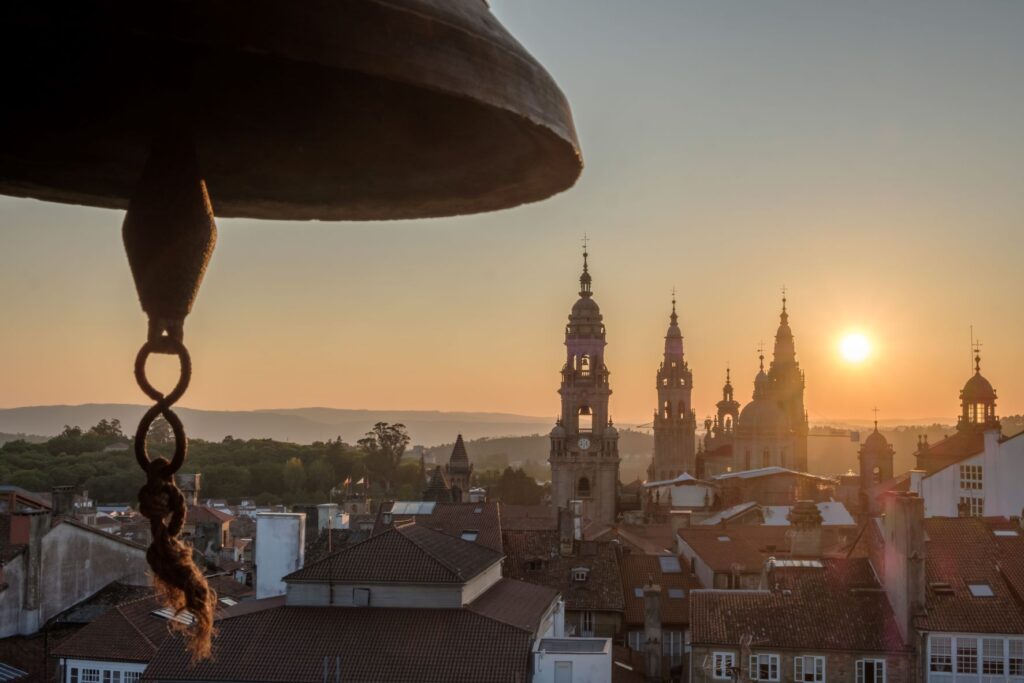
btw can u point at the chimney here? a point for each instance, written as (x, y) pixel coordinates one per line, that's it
(805, 534)
(566, 532)
(652, 632)
(62, 501)
(916, 479)
(280, 550)
(188, 483)
(904, 559)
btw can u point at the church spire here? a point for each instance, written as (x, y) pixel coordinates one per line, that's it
(585, 275)
(674, 336)
(785, 350)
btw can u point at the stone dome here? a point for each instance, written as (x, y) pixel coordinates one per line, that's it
(585, 309)
(762, 415)
(978, 390)
(559, 431)
(876, 442)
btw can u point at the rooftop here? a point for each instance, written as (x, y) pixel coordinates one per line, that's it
(676, 584)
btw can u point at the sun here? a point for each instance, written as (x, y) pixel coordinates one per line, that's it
(855, 347)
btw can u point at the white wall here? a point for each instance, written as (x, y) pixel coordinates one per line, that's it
(586, 668)
(1002, 471)
(280, 546)
(480, 583)
(100, 666)
(381, 595)
(691, 496)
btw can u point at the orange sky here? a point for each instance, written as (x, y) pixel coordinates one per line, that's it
(868, 161)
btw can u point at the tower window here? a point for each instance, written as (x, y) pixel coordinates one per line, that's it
(728, 423)
(583, 488)
(667, 410)
(586, 419)
(682, 410)
(876, 475)
(583, 365)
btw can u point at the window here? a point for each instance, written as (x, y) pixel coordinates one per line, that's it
(585, 365)
(676, 593)
(73, 674)
(586, 419)
(672, 645)
(635, 640)
(361, 597)
(992, 656)
(809, 669)
(111, 677)
(470, 536)
(638, 592)
(941, 659)
(669, 564)
(971, 477)
(534, 565)
(580, 573)
(132, 676)
(974, 506)
(1015, 661)
(981, 590)
(722, 665)
(870, 671)
(583, 488)
(90, 676)
(966, 655)
(764, 667)
(586, 624)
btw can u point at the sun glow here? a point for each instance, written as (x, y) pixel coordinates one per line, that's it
(855, 347)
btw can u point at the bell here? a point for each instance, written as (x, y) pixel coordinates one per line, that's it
(324, 109)
(329, 110)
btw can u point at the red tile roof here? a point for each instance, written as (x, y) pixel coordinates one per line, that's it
(128, 632)
(747, 547)
(961, 551)
(516, 603)
(408, 553)
(959, 446)
(202, 514)
(637, 571)
(292, 644)
(602, 591)
(454, 518)
(528, 518)
(835, 607)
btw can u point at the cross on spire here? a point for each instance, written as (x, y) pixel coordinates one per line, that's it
(977, 356)
(760, 353)
(783, 298)
(875, 411)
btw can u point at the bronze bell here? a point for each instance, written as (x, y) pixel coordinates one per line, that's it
(328, 109)
(324, 109)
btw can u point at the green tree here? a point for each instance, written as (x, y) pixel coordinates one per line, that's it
(384, 446)
(320, 475)
(108, 428)
(294, 475)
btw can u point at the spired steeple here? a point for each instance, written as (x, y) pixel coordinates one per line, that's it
(785, 349)
(675, 424)
(438, 490)
(786, 386)
(458, 472)
(584, 453)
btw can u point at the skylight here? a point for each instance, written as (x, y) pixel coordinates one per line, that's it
(470, 536)
(230, 602)
(981, 590)
(676, 593)
(1006, 532)
(724, 538)
(168, 614)
(669, 564)
(638, 592)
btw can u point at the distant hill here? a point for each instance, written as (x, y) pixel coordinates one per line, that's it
(299, 425)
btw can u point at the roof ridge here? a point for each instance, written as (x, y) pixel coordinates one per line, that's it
(444, 563)
(132, 623)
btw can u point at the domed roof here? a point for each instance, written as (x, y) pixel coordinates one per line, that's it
(559, 431)
(585, 308)
(876, 442)
(762, 415)
(978, 390)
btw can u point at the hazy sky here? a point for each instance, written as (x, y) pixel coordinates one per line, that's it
(868, 155)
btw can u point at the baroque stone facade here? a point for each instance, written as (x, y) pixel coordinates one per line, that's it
(584, 454)
(675, 424)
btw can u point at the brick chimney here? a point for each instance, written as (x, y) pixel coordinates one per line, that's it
(805, 532)
(904, 576)
(652, 632)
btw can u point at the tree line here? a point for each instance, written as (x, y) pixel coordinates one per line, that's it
(100, 460)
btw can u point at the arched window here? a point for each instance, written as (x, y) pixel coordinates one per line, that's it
(876, 474)
(666, 410)
(586, 419)
(682, 409)
(583, 488)
(584, 365)
(728, 423)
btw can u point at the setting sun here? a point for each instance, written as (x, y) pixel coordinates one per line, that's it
(855, 347)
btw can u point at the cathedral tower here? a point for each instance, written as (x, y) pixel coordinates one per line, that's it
(787, 387)
(584, 445)
(675, 424)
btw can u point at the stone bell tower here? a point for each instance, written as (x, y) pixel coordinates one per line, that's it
(584, 444)
(675, 424)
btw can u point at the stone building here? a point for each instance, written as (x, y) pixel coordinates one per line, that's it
(458, 472)
(674, 421)
(584, 444)
(876, 466)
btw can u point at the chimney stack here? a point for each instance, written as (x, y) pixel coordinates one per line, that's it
(280, 550)
(805, 519)
(62, 501)
(904, 559)
(566, 532)
(652, 632)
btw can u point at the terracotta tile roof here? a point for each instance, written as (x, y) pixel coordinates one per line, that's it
(963, 551)
(202, 514)
(409, 553)
(291, 644)
(125, 633)
(637, 571)
(533, 556)
(528, 518)
(650, 539)
(747, 546)
(320, 547)
(454, 518)
(227, 587)
(516, 603)
(957, 447)
(92, 608)
(839, 606)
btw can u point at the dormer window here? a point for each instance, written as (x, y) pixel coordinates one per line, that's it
(981, 589)
(579, 574)
(470, 535)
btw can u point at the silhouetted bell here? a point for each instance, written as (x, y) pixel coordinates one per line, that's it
(321, 109)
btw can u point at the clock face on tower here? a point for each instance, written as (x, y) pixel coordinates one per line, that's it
(584, 443)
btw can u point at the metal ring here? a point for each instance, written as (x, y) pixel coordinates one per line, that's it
(163, 404)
